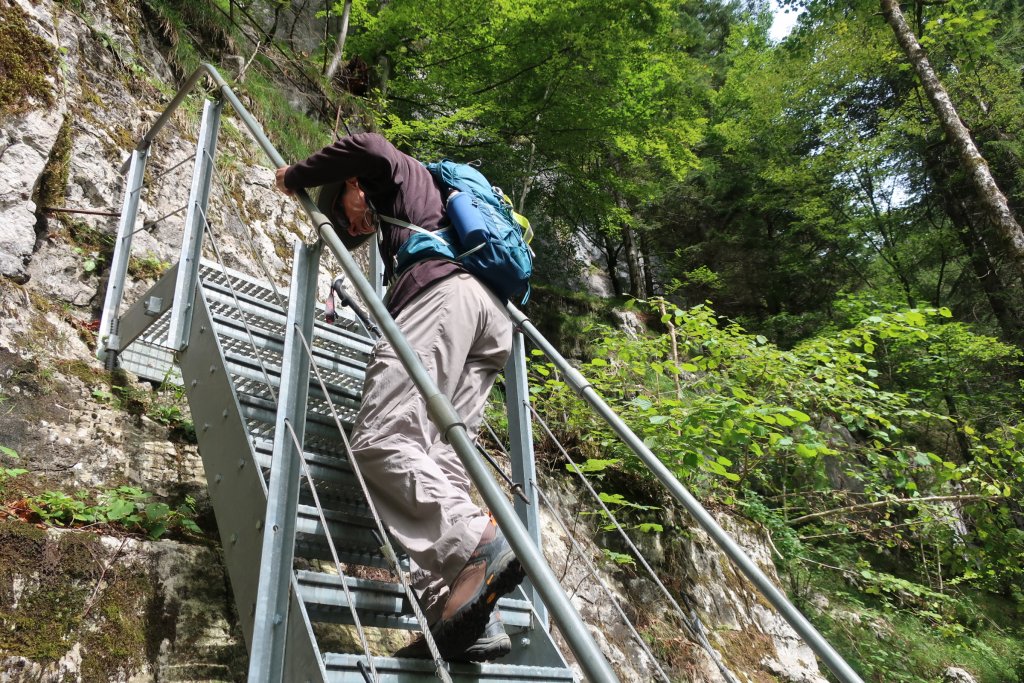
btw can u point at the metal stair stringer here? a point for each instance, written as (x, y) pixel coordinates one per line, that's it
(237, 487)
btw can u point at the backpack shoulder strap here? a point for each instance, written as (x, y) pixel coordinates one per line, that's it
(415, 228)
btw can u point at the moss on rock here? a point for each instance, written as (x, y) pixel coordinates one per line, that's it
(27, 62)
(54, 179)
(62, 589)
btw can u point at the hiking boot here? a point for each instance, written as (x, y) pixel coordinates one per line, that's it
(493, 644)
(491, 572)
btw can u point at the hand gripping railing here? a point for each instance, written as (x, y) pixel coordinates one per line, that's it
(595, 667)
(575, 379)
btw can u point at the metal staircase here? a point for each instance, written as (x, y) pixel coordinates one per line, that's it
(273, 388)
(234, 404)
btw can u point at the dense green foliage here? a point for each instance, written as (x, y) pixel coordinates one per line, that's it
(865, 452)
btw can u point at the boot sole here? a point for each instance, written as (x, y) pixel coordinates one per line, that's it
(459, 633)
(486, 650)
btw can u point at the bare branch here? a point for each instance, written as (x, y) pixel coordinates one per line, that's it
(882, 503)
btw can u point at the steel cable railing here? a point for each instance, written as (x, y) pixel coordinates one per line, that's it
(297, 442)
(609, 594)
(691, 622)
(579, 384)
(238, 304)
(695, 631)
(208, 229)
(389, 552)
(210, 232)
(330, 544)
(578, 549)
(247, 231)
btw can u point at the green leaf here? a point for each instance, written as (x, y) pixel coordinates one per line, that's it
(119, 508)
(594, 465)
(190, 525)
(613, 498)
(9, 452)
(156, 511)
(618, 558)
(806, 451)
(157, 530)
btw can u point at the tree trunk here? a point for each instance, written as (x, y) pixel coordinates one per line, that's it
(984, 269)
(342, 37)
(952, 194)
(611, 255)
(636, 279)
(648, 263)
(988, 193)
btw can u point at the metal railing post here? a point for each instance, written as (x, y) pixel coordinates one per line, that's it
(195, 222)
(575, 379)
(109, 343)
(266, 662)
(524, 471)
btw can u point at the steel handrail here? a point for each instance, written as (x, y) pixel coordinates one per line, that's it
(575, 379)
(441, 412)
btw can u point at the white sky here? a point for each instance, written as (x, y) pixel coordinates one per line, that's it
(783, 23)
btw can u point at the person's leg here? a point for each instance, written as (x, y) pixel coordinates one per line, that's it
(421, 492)
(484, 362)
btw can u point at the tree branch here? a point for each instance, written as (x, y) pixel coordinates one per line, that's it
(882, 503)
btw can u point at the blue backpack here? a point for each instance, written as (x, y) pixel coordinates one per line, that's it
(486, 236)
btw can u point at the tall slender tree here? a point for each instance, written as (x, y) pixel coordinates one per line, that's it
(988, 193)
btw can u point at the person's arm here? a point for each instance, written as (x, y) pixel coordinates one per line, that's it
(365, 155)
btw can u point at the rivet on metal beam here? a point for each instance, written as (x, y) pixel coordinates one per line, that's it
(217, 479)
(241, 463)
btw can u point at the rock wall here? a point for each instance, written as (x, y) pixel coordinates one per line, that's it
(82, 606)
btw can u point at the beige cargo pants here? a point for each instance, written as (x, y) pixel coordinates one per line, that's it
(460, 332)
